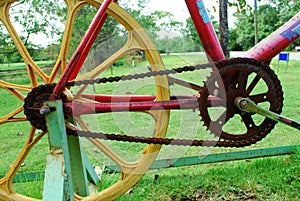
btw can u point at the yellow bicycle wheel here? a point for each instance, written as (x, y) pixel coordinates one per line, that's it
(34, 142)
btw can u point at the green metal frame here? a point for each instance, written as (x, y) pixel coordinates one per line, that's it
(187, 161)
(67, 166)
(218, 157)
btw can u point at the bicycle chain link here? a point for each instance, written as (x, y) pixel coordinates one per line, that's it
(143, 75)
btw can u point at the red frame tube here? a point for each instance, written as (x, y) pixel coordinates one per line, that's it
(277, 41)
(205, 30)
(77, 108)
(79, 56)
(126, 98)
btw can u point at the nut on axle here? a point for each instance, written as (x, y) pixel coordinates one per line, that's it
(241, 103)
(45, 110)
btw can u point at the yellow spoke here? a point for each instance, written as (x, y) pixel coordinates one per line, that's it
(17, 94)
(11, 116)
(7, 85)
(73, 6)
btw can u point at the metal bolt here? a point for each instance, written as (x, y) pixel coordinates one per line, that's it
(68, 109)
(45, 110)
(244, 104)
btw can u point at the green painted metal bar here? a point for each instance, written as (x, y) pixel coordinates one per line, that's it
(185, 161)
(92, 175)
(78, 169)
(40, 176)
(218, 157)
(58, 169)
(55, 179)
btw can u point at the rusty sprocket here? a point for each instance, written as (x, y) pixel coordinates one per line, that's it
(252, 79)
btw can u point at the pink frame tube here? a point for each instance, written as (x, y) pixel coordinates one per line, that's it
(82, 50)
(205, 30)
(127, 98)
(76, 108)
(277, 41)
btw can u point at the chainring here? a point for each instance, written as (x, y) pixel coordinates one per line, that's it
(252, 79)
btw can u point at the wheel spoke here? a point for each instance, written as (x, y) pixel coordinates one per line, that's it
(7, 86)
(242, 81)
(104, 148)
(259, 98)
(31, 141)
(30, 64)
(129, 46)
(11, 116)
(248, 121)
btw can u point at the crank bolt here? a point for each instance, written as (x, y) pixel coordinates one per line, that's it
(244, 104)
(45, 110)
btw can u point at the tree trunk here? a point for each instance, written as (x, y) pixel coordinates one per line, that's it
(224, 31)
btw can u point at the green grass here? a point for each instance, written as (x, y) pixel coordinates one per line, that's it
(276, 178)
(259, 179)
(20, 66)
(16, 73)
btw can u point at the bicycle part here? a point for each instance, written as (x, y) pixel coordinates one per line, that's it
(137, 40)
(246, 105)
(33, 105)
(255, 81)
(211, 101)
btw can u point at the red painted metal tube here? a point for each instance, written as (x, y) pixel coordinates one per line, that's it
(77, 108)
(124, 98)
(82, 50)
(118, 98)
(276, 42)
(205, 30)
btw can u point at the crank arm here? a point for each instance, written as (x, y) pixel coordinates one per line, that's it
(247, 105)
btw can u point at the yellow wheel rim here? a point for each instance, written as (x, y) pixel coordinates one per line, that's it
(137, 40)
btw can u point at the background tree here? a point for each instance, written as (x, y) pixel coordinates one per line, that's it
(190, 31)
(224, 30)
(271, 16)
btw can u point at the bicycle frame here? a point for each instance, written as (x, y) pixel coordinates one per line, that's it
(265, 50)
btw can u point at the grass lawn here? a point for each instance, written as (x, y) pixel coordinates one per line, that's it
(276, 178)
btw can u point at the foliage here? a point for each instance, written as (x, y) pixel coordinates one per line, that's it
(47, 17)
(158, 24)
(176, 44)
(191, 31)
(270, 17)
(30, 19)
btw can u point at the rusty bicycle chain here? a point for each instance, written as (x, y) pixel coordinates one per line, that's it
(143, 75)
(165, 141)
